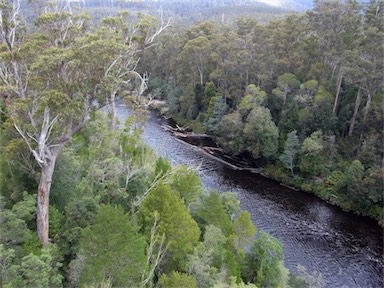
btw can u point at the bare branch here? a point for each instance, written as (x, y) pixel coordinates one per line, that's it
(154, 261)
(163, 26)
(51, 126)
(111, 66)
(10, 25)
(37, 157)
(140, 199)
(33, 138)
(143, 82)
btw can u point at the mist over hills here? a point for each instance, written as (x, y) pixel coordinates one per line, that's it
(192, 11)
(203, 4)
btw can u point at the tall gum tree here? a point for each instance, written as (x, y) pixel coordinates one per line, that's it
(336, 23)
(365, 69)
(59, 97)
(130, 42)
(57, 83)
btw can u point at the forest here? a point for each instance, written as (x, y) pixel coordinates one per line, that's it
(86, 203)
(301, 96)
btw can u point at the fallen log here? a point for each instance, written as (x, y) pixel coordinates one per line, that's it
(204, 151)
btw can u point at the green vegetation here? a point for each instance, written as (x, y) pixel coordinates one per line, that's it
(156, 226)
(112, 249)
(301, 96)
(84, 202)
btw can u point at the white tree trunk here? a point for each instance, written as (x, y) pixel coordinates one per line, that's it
(112, 107)
(43, 199)
(291, 168)
(357, 105)
(200, 68)
(285, 96)
(367, 105)
(45, 156)
(338, 84)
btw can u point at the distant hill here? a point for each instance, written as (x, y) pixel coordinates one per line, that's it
(192, 11)
(203, 4)
(299, 5)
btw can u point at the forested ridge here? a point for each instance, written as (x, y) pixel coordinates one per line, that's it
(302, 96)
(84, 202)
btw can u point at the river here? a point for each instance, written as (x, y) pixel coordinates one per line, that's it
(345, 248)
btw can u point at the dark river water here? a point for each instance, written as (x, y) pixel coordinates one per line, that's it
(346, 249)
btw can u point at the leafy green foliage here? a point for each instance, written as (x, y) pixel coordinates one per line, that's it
(231, 203)
(16, 168)
(216, 111)
(187, 183)
(210, 91)
(244, 230)
(8, 271)
(316, 71)
(66, 177)
(25, 209)
(285, 84)
(34, 270)
(81, 213)
(260, 133)
(113, 249)
(231, 136)
(56, 222)
(213, 212)
(311, 154)
(163, 166)
(188, 104)
(181, 231)
(291, 149)
(311, 279)
(263, 264)
(208, 258)
(12, 229)
(176, 279)
(254, 97)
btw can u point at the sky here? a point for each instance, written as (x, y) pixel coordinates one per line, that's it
(275, 3)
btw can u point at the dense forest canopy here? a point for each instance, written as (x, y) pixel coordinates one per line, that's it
(84, 202)
(301, 96)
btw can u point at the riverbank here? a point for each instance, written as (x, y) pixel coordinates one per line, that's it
(314, 234)
(320, 187)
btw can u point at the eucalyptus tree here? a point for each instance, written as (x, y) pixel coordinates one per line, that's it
(12, 28)
(336, 24)
(365, 68)
(47, 98)
(195, 55)
(133, 36)
(224, 59)
(286, 83)
(289, 48)
(196, 52)
(51, 82)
